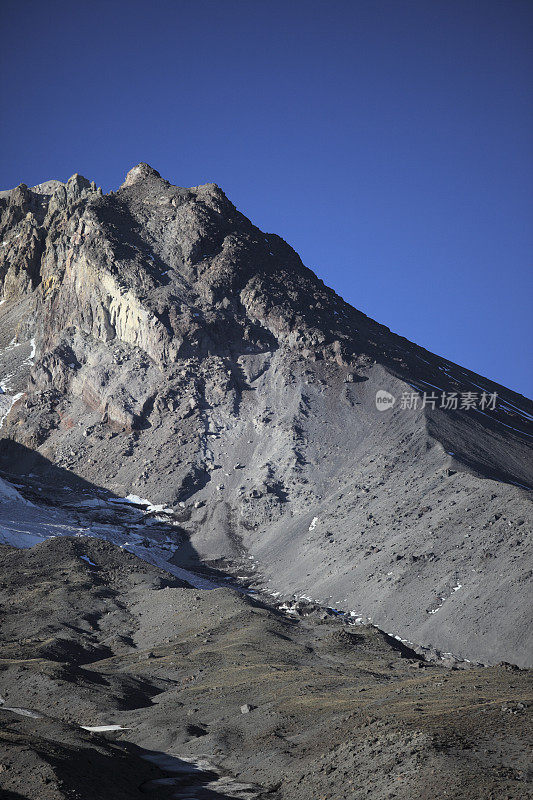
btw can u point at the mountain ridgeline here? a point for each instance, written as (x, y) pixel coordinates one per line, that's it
(157, 343)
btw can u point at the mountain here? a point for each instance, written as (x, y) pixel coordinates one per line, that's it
(159, 344)
(252, 543)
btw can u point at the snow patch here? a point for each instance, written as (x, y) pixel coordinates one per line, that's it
(6, 407)
(22, 712)
(102, 728)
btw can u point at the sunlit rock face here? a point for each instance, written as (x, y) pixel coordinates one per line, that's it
(184, 355)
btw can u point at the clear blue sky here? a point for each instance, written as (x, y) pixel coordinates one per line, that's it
(389, 141)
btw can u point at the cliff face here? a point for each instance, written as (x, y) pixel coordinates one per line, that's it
(185, 356)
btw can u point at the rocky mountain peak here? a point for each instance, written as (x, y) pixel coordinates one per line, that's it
(139, 173)
(183, 355)
(185, 405)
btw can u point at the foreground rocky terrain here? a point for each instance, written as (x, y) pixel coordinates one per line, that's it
(155, 344)
(217, 694)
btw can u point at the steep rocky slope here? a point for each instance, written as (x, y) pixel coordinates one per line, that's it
(159, 343)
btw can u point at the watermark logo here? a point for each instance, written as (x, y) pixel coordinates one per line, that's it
(384, 400)
(451, 401)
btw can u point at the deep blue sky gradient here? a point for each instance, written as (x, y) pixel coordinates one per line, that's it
(388, 141)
